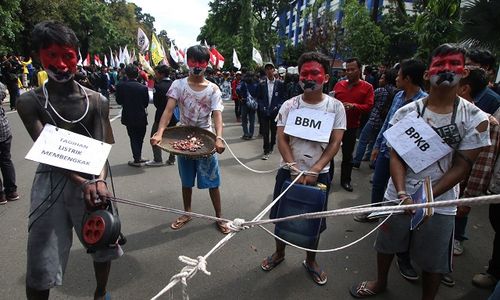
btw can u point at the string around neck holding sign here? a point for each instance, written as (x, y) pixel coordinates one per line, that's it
(47, 103)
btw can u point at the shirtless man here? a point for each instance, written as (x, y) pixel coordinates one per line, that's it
(59, 197)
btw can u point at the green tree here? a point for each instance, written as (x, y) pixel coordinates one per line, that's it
(398, 28)
(363, 37)
(322, 35)
(265, 13)
(10, 24)
(439, 23)
(292, 53)
(480, 21)
(222, 26)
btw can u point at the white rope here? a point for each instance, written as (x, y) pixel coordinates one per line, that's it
(245, 166)
(354, 211)
(237, 223)
(188, 272)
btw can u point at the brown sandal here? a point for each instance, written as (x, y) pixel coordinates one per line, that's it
(222, 227)
(180, 222)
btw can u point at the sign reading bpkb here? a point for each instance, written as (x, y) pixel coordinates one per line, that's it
(416, 142)
(68, 150)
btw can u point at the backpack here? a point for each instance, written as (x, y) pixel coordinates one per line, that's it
(250, 102)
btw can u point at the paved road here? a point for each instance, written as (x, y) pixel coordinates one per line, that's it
(153, 248)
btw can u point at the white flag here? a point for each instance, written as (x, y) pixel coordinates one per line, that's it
(80, 61)
(236, 61)
(111, 59)
(256, 56)
(105, 60)
(117, 62)
(126, 56)
(120, 56)
(142, 40)
(173, 53)
(132, 57)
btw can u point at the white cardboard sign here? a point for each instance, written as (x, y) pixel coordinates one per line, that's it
(416, 142)
(68, 150)
(310, 124)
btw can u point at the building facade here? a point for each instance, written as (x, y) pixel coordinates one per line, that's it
(292, 25)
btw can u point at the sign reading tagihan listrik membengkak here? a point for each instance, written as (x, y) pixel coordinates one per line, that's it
(68, 150)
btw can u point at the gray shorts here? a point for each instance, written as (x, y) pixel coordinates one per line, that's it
(52, 219)
(430, 245)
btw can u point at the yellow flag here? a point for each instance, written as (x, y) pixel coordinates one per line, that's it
(156, 52)
(145, 65)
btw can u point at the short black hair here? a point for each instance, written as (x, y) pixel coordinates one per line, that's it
(390, 76)
(317, 57)
(354, 59)
(477, 80)
(131, 71)
(47, 33)
(163, 69)
(414, 69)
(446, 49)
(198, 53)
(483, 57)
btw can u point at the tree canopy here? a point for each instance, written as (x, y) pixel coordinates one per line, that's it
(98, 24)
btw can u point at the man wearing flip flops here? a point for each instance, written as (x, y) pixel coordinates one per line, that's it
(307, 152)
(199, 100)
(462, 126)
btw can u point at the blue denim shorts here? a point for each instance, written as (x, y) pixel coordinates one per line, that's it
(206, 171)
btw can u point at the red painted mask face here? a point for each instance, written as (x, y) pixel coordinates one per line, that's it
(197, 67)
(312, 76)
(446, 70)
(59, 62)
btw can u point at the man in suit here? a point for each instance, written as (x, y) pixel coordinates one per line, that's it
(134, 98)
(271, 93)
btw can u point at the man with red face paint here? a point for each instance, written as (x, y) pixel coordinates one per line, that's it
(307, 150)
(357, 96)
(464, 127)
(199, 100)
(59, 197)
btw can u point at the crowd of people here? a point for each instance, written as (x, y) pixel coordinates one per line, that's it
(454, 93)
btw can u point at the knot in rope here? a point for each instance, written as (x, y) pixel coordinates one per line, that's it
(235, 225)
(188, 272)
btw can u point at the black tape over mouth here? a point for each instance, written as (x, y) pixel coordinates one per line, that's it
(309, 84)
(445, 76)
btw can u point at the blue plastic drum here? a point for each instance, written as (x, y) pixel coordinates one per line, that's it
(300, 199)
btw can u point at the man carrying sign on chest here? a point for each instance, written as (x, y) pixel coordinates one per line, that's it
(59, 197)
(310, 129)
(464, 128)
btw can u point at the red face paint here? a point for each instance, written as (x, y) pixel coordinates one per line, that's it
(59, 62)
(446, 70)
(312, 71)
(312, 76)
(200, 64)
(449, 62)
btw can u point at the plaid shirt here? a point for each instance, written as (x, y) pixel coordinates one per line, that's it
(4, 126)
(482, 170)
(381, 96)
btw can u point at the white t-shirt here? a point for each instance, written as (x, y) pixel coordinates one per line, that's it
(225, 88)
(468, 117)
(196, 107)
(305, 152)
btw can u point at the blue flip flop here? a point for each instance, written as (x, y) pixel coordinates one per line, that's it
(271, 264)
(316, 276)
